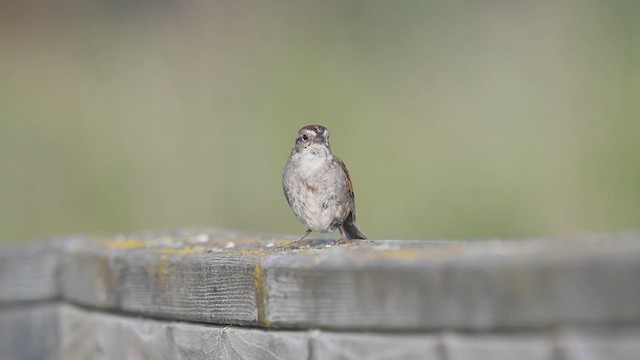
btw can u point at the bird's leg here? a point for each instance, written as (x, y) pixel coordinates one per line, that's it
(344, 238)
(296, 243)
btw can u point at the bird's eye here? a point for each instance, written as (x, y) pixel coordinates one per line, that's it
(305, 137)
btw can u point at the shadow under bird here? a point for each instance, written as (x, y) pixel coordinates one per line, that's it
(317, 186)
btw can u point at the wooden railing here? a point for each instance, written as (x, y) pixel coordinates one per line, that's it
(203, 293)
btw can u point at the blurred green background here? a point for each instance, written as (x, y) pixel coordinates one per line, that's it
(456, 119)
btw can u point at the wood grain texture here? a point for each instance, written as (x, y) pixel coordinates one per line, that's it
(190, 274)
(29, 332)
(267, 345)
(574, 298)
(90, 335)
(30, 272)
(599, 343)
(197, 341)
(525, 346)
(479, 285)
(87, 335)
(369, 346)
(55, 331)
(239, 278)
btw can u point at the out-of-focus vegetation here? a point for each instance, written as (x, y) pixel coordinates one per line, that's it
(456, 119)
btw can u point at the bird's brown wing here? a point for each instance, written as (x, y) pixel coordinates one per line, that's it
(349, 186)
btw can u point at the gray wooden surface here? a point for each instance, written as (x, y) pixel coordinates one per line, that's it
(207, 293)
(29, 273)
(91, 335)
(597, 342)
(88, 334)
(236, 278)
(504, 346)
(350, 346)
(478, 285)
(186, 274)
(29, 332)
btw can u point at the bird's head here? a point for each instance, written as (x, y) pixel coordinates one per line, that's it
(312, 135)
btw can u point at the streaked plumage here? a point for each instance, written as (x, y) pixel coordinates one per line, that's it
(317, 186)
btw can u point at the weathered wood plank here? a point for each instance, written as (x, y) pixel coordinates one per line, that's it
(600, 343)
(29, 332)
(369, 346)
(268, 345)
(68, 332)
(94, 335)
(417, 295)
(524, 346)
(29, 272)
(224, 277)
(90, 335)
(197, 341)
(399, 285)
(191, 274)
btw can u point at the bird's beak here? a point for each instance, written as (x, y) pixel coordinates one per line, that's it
(320, 139)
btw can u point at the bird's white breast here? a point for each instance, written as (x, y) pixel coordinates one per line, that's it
(311, 161)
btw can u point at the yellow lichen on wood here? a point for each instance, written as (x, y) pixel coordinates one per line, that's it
(124, 244)
(161, 270)
(261, 295)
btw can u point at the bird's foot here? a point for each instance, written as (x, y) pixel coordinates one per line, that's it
(294, 245)
(297, 243)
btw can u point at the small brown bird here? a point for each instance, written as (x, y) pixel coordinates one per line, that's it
(317, 186)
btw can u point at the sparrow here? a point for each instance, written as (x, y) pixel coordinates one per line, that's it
(318, 188)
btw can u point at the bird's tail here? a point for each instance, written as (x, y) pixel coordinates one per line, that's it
(351, 229)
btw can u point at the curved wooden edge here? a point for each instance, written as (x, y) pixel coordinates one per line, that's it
(228, 277)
